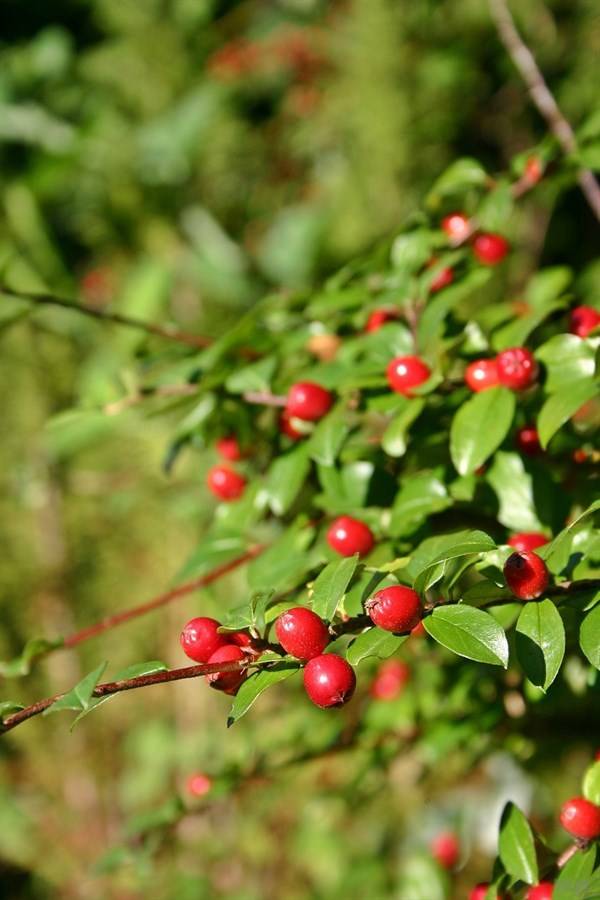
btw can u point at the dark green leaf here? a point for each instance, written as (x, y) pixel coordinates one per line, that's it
(473, 542)
(81, 696)
(579, 879)
(133, 671)
(516, 846)
(469, 632)
(331, 585)
(513, 486)
(462, 174)
(567, 358)
(329, 435)
(283, 565)
(589, 636)
(540, 642)
(253, 687)
(559, 407)
(286, 478)
(374, 642)
(393, 440)
(419, 497)
(556, 553)
(255, 377)
(479, 427)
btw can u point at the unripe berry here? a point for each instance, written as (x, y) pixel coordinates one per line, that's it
(324, 346)
(527, 440)
(542, 891)
(225, 483)
(444, 277)
(379, 317)
(390, 679)
(527, 540)
(456, 226)
(583, 320)
(517, 368)
(228, 682)
(482, 374)
(229, 448)
(407, 372)
(198, 785)
(348, 536)
(581, 818)
(286, 427)
(329, 680)
(309, 401)
(301, 633)
(526, 574)
(395, 608)
(200, 638)
(445, 848)
(490, 249)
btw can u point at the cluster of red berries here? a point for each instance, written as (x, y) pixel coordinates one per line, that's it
(203, 642)
(489, 249)
(514, 368)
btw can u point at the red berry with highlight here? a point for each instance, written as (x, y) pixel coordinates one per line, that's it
(395, 608)
(200, 638)
(583, 320)
(379, 317)
(407, 372)
(527, 540)
(390, 680)
(329, 680)
(517, 368)
(527, 440)
(225, 483)
(229, 448)
(228, 682)
(444, 277)
(542, 891)
(482, 374)
(309, 401)
(198, 785)
(445, 848)
(526, 574)
(456, 226)
(301, 633)
(286, 427)
(348, 536)
(581, 818)
(490, 249)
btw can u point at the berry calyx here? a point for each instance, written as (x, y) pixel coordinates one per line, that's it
(526, 574)
(302, 633)
(517, 368)
(527, 440)
(225, 483)
(581, 818)
(482, 374)
(444, 277)
(309, 401)
(198, 785)
(407, 372)
(542, 891)
(583, 320)
(527, 540)
(379, 317)
(200, 638)
(329, 680)
(228, 682)
(390, 680)
(457, 227)
(348, 536)
(286, 426)
(445, 848)
(229, 448)
(395, 608)
(490, 249)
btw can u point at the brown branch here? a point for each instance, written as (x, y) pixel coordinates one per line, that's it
(542, 97)
(169, 332)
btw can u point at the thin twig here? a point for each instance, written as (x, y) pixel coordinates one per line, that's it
(542, 97)
(264, 398)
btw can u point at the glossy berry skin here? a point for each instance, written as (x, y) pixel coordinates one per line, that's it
(200, 638)
(329, 680)
(380, 317)
(445, 848)
(542, 891)
(407, 372)
(395, 608)
(309, 401)
(456, 226)
(444, 277)
(480, 890)
(517, 368)
(490, 249)
(583, 320)
(390, 680)
(526, 574)
(225, 483)
(228, 682)
(348, 536)
(198, 785)
(528, 441)
(240, 639)
(527, 540)
(229, 448)
(302, 633)
(482, 374)
(286, 427)
(581, 818)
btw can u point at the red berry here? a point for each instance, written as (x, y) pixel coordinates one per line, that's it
(309, 401)
(225, 483)
(583, 320)
(446, 849)
(517, 368)
(444, 277)
(348, 536)
(390, 679)
(419, 630)
(581, 818)
(528, 440)
(580, 455)
(200, 638)
(542, 891)
(526, 574)
(228, 448)
(198, 785)
(379, 317)
(395, 608)
(534, 169)
(286, 427)
(597, 755)
(228, 682)
(240, 638)
(527, 540)
(482, 374)
(407, 372)
(302, 633)
(480, 890)
(457, 227)
(329, 680)
(490, 249)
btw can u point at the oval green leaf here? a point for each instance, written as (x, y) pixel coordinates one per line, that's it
(479, 427)
(516, 845)
(469, 632)
(540, 642)
(589, 636)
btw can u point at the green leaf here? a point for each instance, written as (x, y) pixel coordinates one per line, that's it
(283, 565)
(479, 427)
(215, 550)
(556, 553)
(393, 440)
(420, 496)
(411, 251)
(473, 542)
(589, 636)
(591, 784)
(567, 358)
(513, 486)
(253, 687)
(516, 845)
(133, 671)
(255, 377)
(329, 435)
(469, 632)
(331, 585)
(540, 642)
(462, 174)
(80, 697)
(559, 407)
(579, 879)
(8, 707)
(34, 649)
(374, 642)
(286, 478)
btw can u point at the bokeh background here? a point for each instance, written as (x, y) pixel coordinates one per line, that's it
(174, 160)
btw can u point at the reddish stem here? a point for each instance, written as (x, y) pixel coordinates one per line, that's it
(264, 398)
